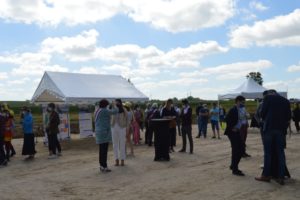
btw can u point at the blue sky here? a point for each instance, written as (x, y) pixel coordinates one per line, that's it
(168, 48)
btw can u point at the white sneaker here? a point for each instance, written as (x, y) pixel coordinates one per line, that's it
(261, 166)
(53, 156)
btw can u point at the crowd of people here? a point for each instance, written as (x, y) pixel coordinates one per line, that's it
(122, 123)
(7, 131)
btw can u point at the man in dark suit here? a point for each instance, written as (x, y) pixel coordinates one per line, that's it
(233, 125)
(276, 114)
(186, 125)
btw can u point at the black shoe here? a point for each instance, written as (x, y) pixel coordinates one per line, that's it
(104, 169)
(12, 154)
(4, 163)
(182, 151)
(280, 181)
(246, 155)
(238, 173)
(191, 152)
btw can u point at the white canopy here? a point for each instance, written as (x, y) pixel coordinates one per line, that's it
(75, 88)
(249, 89)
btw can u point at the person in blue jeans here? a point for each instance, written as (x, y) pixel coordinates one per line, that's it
(203, 115)
(276, 114)
(214, 120)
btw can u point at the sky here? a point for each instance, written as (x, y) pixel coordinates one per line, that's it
(167, 48)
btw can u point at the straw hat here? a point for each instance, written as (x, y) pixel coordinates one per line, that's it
(127, 104)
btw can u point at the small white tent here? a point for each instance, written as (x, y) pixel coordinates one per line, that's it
(249, 89)
(75, 88)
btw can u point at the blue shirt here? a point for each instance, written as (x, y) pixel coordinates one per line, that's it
(214, 112)
(103, 126)
(28, 123)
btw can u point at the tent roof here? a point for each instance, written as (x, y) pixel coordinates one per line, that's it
(78, 88)
(249, 89)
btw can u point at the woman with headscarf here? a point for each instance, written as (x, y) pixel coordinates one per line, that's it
(119, 123)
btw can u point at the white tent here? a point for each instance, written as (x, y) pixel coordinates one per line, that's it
(249, 89)
(75, 88)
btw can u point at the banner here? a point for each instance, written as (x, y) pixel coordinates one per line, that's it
(85, 123)
(64, 126)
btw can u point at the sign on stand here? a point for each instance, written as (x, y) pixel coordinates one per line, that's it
(85, 123)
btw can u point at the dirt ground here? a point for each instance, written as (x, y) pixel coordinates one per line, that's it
(203, 175)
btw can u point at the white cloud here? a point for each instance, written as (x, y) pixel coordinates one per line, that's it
(229, 71)
(188, 57)
(277, 85)
(18, 82)
(178, 15)
(171, 15)
(78, 48)
(280, 31)
(83, 47)
(36, 70)
(54, 12)
(294, 68)
(3, 75)
(88, 70)
(247, 15)
(297, 80)
(30, 64)
(164, 89)
(26, 58)
(257, 6)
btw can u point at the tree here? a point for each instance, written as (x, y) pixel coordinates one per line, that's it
(256, 76)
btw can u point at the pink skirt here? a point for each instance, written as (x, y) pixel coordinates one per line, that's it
(136, 132)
